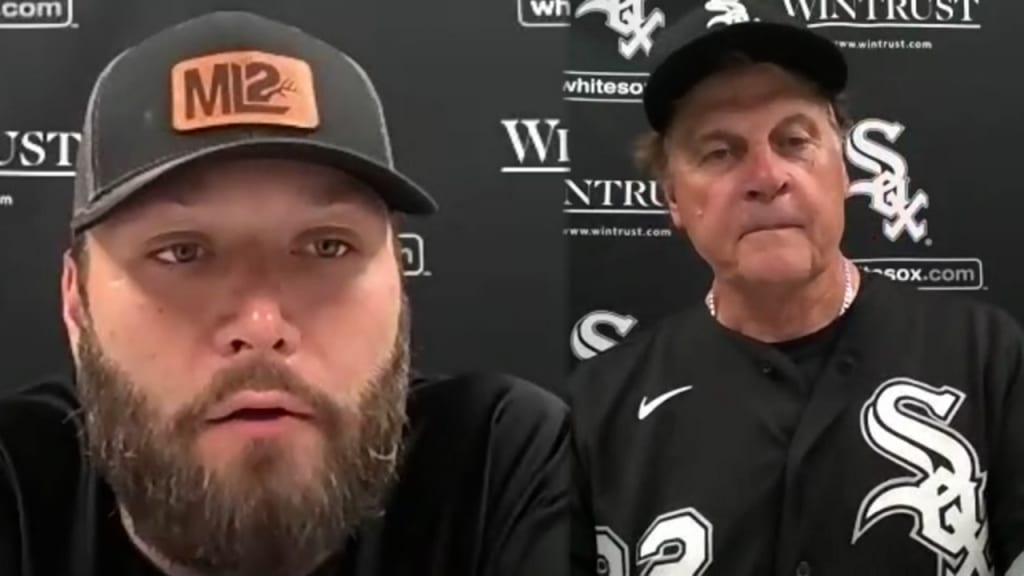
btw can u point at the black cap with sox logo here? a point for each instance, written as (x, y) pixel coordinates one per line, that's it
(694, 47)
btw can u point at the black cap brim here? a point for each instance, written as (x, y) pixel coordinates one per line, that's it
(399, 192)
(797, 49)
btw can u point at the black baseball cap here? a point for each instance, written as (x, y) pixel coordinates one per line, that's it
(232, 84)
(691, 50)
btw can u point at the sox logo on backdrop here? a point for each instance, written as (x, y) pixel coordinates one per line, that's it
(908, 422)
(729, 12)
(630, 20)
(587, 342)
(888, 188)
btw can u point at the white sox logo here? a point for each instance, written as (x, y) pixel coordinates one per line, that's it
(908, 422)
(729, 12)
(888, 190)
(628, 19)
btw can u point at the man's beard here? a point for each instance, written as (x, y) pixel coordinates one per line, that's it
(252, 517)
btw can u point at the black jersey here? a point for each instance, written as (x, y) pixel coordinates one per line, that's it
(891, 443)
(482, 489)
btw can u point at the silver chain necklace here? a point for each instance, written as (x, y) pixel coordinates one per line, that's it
(848, 292)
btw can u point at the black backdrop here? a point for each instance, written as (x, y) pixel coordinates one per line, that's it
(518, 115)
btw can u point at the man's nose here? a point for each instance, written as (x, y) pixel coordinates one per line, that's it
(257, 324)
(767, 175)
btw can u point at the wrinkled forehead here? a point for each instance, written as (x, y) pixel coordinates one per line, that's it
(746, 90)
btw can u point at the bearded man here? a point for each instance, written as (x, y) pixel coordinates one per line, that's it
(234, 301)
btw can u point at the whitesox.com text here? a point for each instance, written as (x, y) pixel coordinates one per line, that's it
(603, 87)
(938, 274)
(12, 11)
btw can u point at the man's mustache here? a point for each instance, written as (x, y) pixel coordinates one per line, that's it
(257, 375)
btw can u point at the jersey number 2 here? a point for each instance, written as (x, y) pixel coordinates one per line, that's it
(676, 544)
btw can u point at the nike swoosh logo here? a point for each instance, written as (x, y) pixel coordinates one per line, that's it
(647, 407)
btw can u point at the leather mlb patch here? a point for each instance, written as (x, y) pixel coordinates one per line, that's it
(242, 88)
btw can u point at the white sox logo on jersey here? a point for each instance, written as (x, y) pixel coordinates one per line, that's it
(630, 20)
(908, 422)
(586, 341)
(888, 189)
(728, 12)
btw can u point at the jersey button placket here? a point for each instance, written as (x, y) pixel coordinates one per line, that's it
(803, 569)
(846, 365)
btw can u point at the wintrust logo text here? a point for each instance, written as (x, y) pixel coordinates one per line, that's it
(38, 153)
(614, 208)
(611, 196)
(887, 13)
(537, 145)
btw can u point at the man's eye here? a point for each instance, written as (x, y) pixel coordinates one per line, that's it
(181, 253)
(797, 142)
(716, 155)
(328, 248)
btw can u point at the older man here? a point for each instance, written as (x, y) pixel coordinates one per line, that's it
(805, 418)
(235, 305)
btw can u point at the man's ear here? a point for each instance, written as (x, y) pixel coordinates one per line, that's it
(846, 172)
(671, 196)
(72, 303)
(664, 173)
